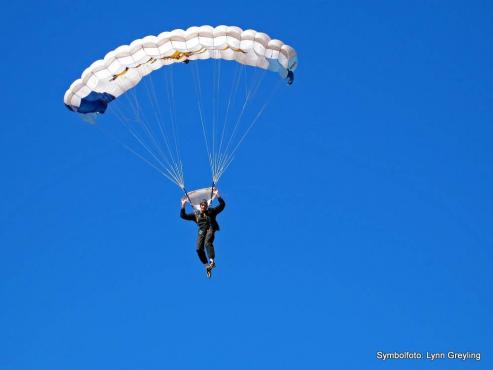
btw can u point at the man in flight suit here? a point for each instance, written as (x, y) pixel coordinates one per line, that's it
(207, 224)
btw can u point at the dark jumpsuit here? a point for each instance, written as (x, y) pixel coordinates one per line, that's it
(208, 225)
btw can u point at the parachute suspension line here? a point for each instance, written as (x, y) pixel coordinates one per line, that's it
(232, 98)
(250, 94)
(233, 91)
(161, 167)
(212, 189)
(215, 110)
(159, 119)
(145, 160)
(134, 103)
(139, 140)
(215, 104)
(140, 118)
(260, 112)
(173, 167)
(214, 80)
(245, 81)
(186, 194)
(157, 113)
(126, 122)
(198, 92)
(218, 95)
(172, 111)
(173, 107)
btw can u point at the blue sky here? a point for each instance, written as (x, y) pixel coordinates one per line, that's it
(358, 212)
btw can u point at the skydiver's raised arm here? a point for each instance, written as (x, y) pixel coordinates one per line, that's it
(184, 214)
(218, 209)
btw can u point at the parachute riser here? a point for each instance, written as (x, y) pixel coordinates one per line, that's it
(186, 194)
(212, 189)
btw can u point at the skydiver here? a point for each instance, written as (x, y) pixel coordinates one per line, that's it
(207, 224)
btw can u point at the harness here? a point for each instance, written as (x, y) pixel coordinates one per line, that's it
(198, 216)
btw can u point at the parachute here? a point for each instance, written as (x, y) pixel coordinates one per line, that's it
(122, 69)
(195, 197)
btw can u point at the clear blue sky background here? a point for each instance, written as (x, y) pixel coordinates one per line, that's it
(359, 214)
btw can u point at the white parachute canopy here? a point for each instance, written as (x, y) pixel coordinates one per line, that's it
(154, 127)
(195, 197)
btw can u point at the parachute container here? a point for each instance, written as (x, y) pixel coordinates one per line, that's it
(196, 197)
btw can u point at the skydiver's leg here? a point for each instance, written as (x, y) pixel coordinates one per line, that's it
(200, 247)
(209, 239)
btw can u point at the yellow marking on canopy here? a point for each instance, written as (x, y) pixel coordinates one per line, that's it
(238, 50)
(177, 55)
(119, 74)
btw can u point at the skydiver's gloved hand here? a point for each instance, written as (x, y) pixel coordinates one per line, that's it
(183, 202)
(216, 193)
